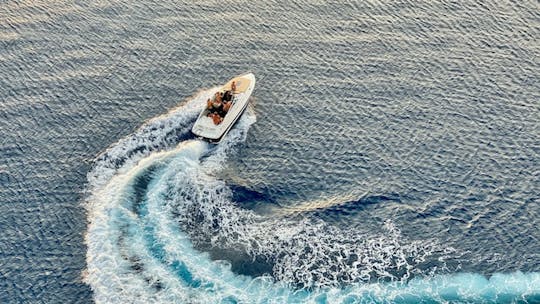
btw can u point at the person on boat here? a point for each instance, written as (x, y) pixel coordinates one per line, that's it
(226, 103)
(216, 108)
(227, 96)
(215, 105)
(216, 118)
(226, 106)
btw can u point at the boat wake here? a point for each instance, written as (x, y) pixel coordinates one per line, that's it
(163, 228)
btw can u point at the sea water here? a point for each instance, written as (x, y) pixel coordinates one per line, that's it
(389, 155)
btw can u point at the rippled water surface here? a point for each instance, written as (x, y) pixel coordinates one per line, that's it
(390, 153)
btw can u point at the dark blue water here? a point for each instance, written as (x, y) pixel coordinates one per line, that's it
(390, 153)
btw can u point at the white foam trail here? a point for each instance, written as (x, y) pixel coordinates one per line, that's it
(309, 252)
(142, 236)
(157, 134)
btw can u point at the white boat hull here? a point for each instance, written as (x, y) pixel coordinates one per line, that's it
(205, 128)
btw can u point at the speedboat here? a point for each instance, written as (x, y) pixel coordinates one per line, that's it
(206, 128)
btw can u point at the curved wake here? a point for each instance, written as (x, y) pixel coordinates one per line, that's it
(162, 228)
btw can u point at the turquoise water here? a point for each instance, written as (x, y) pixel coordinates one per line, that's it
(390, 153)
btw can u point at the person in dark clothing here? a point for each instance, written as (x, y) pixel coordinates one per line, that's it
(227, 96)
